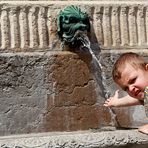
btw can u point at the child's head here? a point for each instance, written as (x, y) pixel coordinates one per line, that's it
(130, 72)
(133, 59)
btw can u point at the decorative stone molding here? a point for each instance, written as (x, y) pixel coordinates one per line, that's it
(32, 25)
(77, 139)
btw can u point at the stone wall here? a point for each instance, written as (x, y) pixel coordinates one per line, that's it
(44, 88)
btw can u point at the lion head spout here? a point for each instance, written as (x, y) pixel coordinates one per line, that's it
(71, 21)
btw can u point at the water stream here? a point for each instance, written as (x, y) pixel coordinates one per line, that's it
(96, 62)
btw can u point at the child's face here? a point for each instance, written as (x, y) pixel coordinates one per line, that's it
(134, 81)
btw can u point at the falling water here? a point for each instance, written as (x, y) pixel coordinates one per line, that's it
(86, 44)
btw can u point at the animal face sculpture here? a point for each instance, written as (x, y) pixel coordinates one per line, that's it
(71, 21)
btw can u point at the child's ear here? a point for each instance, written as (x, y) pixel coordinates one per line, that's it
(146, 66)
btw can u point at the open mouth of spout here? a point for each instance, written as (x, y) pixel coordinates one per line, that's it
(82, 39)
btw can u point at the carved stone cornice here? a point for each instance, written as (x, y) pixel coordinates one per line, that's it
(79, 139)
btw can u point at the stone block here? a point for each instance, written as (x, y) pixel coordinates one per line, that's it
(75, 98)
(48, 92)
(73, 118)
(72, 79)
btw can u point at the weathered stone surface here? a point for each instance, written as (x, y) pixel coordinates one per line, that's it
(72, 79)
(73, 118)
(33, 25)
(57, 92)
(23, 92)
(114, 139)
(74, 95)
(62, 91)
(48, 92)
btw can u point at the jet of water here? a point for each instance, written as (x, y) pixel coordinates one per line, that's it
(85, 43)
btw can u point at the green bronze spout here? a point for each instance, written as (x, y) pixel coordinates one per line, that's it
(71, 21)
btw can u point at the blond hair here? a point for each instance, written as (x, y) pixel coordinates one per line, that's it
(131, 58)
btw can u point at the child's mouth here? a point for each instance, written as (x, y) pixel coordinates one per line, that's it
(137, 92)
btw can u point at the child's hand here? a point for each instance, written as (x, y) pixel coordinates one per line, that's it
(112, 101)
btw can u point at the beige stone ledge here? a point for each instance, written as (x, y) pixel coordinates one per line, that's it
(85, 139)
(46, 2)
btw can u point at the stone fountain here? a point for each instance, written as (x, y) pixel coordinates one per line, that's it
(51, 92)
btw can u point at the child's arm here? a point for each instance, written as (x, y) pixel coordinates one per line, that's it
(124, 101)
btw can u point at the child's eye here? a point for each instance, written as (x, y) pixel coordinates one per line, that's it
(125, 88)
(132, 80)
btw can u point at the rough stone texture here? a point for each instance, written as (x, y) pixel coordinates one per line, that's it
(33, 25)
(23, 92)
(48, 92)
(74, 95)
(88, 139)
(63, 91)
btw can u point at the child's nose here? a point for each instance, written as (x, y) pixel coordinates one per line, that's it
(131, 89)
